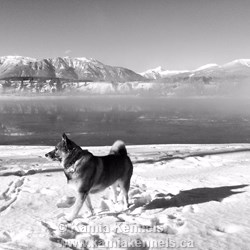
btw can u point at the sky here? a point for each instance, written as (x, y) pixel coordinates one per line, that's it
(136, 34)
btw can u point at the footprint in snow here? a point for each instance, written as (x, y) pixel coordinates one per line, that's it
(190, 208)
(10, 195)
(227, 228)
(4, 237)
(66, 202)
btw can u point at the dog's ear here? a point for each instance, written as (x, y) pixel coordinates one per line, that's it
(67, 142)
(64, 137)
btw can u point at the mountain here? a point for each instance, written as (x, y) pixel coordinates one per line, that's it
(235, 69)
(83, 68)
(159, 72)
(64, 68)
(207, 67)
(18, 66)
(238, 67)
(231, 79)
(90, 76)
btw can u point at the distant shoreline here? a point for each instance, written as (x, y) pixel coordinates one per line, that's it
(116, 96)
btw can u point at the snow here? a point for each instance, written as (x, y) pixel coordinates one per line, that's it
(180, 195)
(158, 69)
(244, 62)
(16, 59)
(172, 72)
(87, 60)
(84, 59)
(207, 66)
(160, 72)
(97, 87)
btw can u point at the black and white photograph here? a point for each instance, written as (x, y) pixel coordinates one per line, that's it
(124, 124)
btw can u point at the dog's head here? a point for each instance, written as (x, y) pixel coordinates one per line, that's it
(62, 149)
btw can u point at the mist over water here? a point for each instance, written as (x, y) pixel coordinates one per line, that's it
(102, 120)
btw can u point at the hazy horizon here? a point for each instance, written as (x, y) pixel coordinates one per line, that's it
(139, 34)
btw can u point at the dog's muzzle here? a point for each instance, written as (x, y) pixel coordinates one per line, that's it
(50, 155)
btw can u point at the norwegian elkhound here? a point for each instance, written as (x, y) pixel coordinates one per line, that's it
(89, 174)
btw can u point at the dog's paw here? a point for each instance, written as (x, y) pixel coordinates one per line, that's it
(66, 201)
(68, 218)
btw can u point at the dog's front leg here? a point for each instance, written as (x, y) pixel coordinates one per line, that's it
(114, 190)
(77, 206)
(89, 205)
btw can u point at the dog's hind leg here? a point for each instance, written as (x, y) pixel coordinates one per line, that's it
(125, 185)
(125, 194)
(114, 191)
(77, 206)
(89, 205)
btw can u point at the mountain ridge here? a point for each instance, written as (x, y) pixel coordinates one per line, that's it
(90, 76)
(238, 67)
(65, 67)
(79, 68)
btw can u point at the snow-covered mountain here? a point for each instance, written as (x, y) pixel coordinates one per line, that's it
(239, 67)
(236, 68)
(89, 68)
(209, 66)
(66, 68)
(159, 72)
(75, 73)
(18, 66)
(232, 79)
(92, 69)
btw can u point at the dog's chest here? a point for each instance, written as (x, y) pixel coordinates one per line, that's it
(70, 168)
(69, 171)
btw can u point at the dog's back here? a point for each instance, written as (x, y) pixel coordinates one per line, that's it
(116, 166)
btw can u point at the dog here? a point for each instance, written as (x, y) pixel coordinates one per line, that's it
(89, 174)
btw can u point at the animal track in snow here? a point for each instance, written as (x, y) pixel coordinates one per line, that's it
(66, 201)
(228, 228)
(135, 219)
(10, 195)
(4, 237)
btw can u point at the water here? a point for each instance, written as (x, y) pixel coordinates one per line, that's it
(101, 120)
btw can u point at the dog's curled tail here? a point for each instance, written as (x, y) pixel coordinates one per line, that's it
(118, 148)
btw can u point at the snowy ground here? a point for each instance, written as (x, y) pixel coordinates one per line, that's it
(181, 196)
